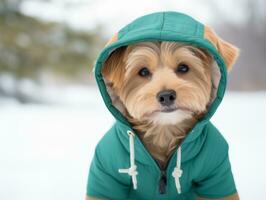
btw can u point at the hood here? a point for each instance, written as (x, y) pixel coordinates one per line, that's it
(170, 26)
(176, 27)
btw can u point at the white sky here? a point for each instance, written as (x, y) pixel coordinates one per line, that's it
(114, 14)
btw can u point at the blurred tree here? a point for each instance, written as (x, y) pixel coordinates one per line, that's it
(29, 46)
(9, 6)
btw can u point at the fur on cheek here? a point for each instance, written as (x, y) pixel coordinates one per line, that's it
(138, 106)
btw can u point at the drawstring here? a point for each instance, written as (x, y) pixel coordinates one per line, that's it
(177, 173)
(132, 170)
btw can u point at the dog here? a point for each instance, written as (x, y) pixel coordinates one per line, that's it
(164, 88)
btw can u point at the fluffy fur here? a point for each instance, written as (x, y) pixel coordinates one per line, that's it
(136, 96)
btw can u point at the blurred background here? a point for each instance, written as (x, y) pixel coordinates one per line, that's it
(52, 116)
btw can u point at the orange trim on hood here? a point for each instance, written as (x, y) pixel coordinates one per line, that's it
(113, 39)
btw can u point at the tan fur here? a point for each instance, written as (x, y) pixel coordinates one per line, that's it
(161, 140)
(228, 51)
(115, 70)
(138, 94)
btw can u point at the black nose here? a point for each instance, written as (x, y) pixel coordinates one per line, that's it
(166, 97)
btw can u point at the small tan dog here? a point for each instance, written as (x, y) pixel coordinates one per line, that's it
(164, 88)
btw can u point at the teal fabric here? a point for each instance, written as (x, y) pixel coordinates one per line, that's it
(205, 163)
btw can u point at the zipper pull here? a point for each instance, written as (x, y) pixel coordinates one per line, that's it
(163, 182)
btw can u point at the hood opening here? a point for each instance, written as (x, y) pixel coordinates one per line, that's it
(117, 103)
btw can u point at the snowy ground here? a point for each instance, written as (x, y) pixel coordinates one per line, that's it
(45, 150)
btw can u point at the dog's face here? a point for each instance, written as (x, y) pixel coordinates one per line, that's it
(160, 82)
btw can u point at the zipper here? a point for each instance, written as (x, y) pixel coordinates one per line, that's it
(163, 174)
(163, 182)
(163, 170)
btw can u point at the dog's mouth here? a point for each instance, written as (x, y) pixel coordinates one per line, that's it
(169, 110)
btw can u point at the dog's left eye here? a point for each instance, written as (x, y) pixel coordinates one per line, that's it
(182, 68)
(144, 72)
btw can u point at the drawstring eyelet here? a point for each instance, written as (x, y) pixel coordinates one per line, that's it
(130, 133)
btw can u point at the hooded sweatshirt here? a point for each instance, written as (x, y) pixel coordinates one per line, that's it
(122, 168)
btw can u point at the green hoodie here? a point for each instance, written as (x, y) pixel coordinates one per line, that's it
(204, 169)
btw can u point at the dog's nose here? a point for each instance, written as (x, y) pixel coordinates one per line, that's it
(166, 97)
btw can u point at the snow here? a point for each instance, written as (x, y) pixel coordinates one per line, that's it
(242, 120)
(45, 149)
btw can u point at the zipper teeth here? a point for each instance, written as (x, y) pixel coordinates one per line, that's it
(163, 183)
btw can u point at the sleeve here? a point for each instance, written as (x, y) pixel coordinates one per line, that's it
(103, 183)
(219, 183)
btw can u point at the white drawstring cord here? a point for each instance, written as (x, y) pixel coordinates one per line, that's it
(132, 170)
(177, 173)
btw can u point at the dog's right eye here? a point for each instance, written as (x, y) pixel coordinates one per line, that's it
(182, 68)
(144, 72)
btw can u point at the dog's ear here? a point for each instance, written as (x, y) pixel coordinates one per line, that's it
(228, 51)
(114, 68)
